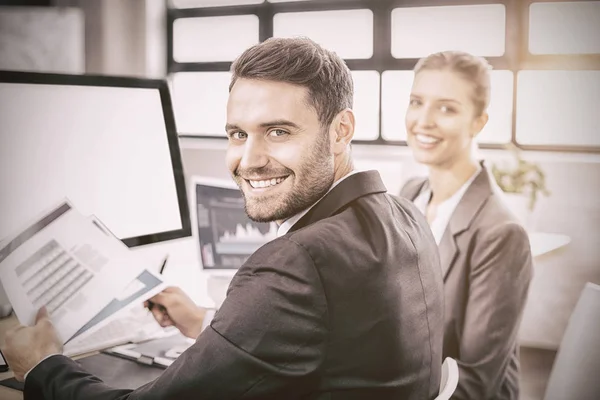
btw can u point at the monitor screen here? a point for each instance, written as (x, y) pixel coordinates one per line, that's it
(226, 236)
(107, 144)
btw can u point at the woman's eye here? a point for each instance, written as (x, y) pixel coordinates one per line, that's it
(414, 102)
(447, 110)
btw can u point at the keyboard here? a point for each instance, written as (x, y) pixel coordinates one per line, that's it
(137, 325)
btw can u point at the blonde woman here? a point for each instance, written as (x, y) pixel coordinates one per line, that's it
(485, 253)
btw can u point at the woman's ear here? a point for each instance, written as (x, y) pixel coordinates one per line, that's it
(343, 131)
(479, 123)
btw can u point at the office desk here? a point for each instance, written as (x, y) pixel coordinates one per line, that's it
(114, 371)
(6, 393)
(544, 243)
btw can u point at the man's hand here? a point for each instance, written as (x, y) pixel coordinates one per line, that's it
(26, 346)
(177, 310)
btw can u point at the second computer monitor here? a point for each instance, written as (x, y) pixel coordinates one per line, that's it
(226, 237)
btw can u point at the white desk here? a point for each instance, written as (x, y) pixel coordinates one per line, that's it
(543, 243)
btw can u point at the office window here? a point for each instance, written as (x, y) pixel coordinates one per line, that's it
(348, 32)
(558, 108)
(395, 94)
(564, 28)
(213, 38)
(396, 89)
(211, 3)
(200, 102)
(366, 104)
(499, 126)
(380, 41)
(420, 31)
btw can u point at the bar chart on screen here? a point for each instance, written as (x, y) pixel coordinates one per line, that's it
(226, 235)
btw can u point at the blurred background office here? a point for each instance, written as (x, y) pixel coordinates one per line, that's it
(542, 138)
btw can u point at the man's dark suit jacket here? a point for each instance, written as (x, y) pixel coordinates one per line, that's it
(347, 305)
(487, 267)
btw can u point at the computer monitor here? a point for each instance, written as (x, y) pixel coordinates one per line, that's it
(108, 144)
(225, 236)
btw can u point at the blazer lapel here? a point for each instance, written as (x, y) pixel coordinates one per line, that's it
(413, 187)
(466, 210)
(350, 189)
(448, 251)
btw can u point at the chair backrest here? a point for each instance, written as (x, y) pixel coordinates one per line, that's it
(449, 379)
(576, 370)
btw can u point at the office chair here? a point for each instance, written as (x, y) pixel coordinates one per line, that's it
(576, 367)
(449, 379)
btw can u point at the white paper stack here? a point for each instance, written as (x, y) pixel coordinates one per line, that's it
(78, 270)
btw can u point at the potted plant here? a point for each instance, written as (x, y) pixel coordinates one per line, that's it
(522, 179)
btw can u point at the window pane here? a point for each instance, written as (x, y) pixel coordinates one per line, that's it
(395, 92)
(213, 38)
(366, 104)
(211, 3)
(396, 87)
(558, 107)
(200, 102)
(499, 126)
(564, 28)
(348, 33)
(420, 31)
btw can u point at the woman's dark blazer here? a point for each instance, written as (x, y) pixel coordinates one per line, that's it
(487, 266)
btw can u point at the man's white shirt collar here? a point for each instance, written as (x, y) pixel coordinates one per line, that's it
(288, 223)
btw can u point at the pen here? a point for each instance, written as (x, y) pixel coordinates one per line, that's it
(162, 267)
(151, 305)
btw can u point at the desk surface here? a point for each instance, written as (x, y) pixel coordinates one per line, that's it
(114, 371)
(7, 393)
(543, 243)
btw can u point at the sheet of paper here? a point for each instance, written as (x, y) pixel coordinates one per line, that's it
(64, 262)
(106, 327)
(146, 285)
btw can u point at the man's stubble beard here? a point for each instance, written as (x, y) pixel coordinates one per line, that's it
(317, 177)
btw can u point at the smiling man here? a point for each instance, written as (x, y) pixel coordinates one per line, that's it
(345, 304)
(280, 154)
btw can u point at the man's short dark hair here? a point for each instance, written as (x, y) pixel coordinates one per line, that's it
(300, 61)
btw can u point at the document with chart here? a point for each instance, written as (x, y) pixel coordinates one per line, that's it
(64, 262)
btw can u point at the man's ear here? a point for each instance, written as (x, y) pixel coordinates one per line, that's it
(342, 131)
(479, 123)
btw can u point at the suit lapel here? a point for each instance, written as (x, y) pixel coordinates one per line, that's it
(413, 187)
(448, 251)
(350, 189)
(466, 210)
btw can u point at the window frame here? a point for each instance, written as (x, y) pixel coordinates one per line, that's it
(515, 58)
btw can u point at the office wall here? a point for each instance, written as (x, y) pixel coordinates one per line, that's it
(124, 37)
(572, 209)
(42, 39)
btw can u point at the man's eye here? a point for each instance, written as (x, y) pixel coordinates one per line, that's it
(237, 135)
(277, 132)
